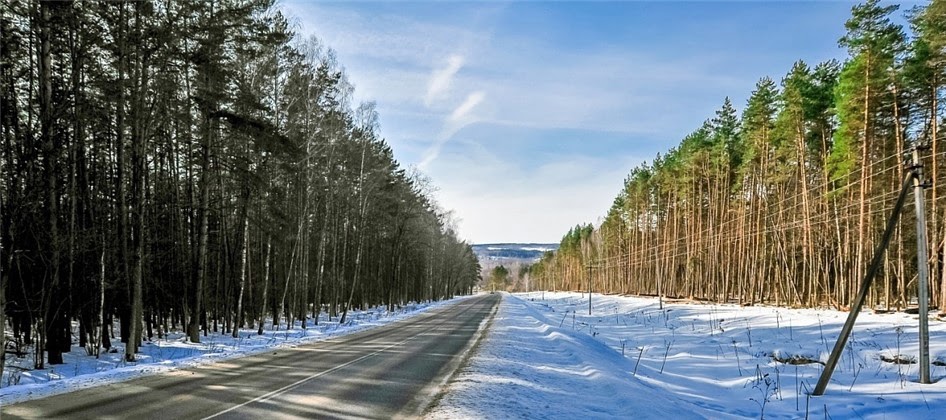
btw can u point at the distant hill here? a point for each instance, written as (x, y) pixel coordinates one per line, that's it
(508, 253)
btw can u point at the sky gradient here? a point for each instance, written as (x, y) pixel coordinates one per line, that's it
(527, 116)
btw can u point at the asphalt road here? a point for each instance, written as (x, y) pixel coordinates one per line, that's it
(388, 372)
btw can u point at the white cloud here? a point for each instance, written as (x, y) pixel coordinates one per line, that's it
(459, 118)
(440, 79)
(462, 112)
(420, 65)
(389, 57)
(433, 78)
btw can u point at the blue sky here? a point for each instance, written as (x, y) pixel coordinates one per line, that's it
(527, 116)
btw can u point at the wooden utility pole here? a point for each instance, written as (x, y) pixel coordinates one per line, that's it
(916, 177)
(865, 288)
(923, 269)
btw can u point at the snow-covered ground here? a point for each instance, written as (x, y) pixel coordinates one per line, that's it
(20, 382)
(545, 357)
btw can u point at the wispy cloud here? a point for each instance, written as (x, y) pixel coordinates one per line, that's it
(461, 116)
(462, 112)
(389, 55)
(441, 78)
(535, 90)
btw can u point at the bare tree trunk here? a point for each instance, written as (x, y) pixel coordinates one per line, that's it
(934, 139)
(320, 274)
(139, 169)
(303, 295)
(121, 200)
(101, 336)
(863, 236)
(262, 313)
(901, 165)
(193, 328)
(246, 245)
(363, 208)
(3, 288)
(292, 260)
(53, 325)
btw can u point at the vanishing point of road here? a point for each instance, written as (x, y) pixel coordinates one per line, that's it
(389, 372)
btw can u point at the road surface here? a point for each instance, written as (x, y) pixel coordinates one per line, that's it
(388, 372)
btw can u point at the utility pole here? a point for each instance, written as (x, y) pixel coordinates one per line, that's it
(916, 177)
(923, 269)
(872, 270)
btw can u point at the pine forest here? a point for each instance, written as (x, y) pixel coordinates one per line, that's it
(786, 202)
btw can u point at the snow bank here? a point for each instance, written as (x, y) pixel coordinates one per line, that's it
(533, 366)
(547, 358)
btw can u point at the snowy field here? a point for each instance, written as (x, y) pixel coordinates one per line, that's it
(544, 357)
(20, 382)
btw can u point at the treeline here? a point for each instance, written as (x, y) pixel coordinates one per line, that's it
(785, 203)
(511, 276)
(195, 165)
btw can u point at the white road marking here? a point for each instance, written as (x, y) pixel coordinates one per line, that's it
(283, 390)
